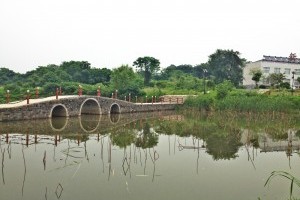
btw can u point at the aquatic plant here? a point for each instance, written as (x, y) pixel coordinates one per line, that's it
(286, 175)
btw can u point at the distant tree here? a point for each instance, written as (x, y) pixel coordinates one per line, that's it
(256, 76)
(147, 66)
(8, 76)
(125, 80)
(226, 65)
(100, 75)
(199, 70)
(298, 79)
(276, 79)
(223, 89)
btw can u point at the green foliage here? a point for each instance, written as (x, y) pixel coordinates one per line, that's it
(189, 82)
(226, 65)
(147, 66)
(258, 103)
(126, 81)
(223, 89)
(153, 92)
(285, 85)
(200, 102)
(276, 79)
(8, 76)
(256, 75)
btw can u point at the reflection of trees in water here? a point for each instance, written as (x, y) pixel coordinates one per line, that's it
(123, 138)
(148, 138)
(277, 133)
(223, 146)
(78, 137)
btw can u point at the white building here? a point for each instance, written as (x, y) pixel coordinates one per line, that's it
(273, 64)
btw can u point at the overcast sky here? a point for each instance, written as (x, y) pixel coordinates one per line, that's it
(108, 33)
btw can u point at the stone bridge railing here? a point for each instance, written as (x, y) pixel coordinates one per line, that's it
(68, 106)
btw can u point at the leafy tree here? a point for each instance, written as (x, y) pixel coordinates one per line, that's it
(100, 75)
(147, 66)
(223, 89)
(276, 78)
(285, 85)
(256, 75)
(199, 70)
(8, 76)
(188, 82)
(226, 65)
(298, 79)
(125, 80)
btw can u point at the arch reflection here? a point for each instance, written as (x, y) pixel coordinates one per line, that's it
(89, 123)
(58, 124)
(114, 118)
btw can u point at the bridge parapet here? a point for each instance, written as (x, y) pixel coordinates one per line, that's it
(69, 106)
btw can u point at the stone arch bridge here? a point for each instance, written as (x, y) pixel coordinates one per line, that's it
(68, 106)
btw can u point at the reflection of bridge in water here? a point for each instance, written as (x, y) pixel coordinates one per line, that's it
(76, 127)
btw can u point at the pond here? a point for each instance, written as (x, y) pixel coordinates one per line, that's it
(159, 155)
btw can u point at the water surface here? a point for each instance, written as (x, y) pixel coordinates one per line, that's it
(148, 156)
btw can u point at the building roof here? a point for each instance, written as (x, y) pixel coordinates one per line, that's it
(281, 59)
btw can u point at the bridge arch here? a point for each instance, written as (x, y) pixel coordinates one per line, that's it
(59, 110)
(115, 109)
(90, 106)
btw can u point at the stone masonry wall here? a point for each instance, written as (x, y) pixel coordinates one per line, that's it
(73, 106)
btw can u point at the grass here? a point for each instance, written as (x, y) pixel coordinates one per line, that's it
(286, 175)
(243, 101)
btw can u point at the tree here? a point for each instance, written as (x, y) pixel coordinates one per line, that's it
(125, 80)
(223, 89)
(276, 78)
(147, 66)
(226, 65)
(256, 75)
(8, 76)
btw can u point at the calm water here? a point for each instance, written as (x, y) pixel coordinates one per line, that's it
(148, 156)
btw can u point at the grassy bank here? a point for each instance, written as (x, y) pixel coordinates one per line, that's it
(245, 102)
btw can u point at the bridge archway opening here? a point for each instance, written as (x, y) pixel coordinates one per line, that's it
(59, 111)
(90, 107)
(115, 109)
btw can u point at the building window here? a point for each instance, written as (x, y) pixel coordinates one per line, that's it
(297, 71)
(287, 71)
(276, 70)
(266, 70)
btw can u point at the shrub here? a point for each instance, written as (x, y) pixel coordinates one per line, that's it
(223, 89)
(199, 102)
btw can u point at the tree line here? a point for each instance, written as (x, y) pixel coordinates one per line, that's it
(144, 73)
